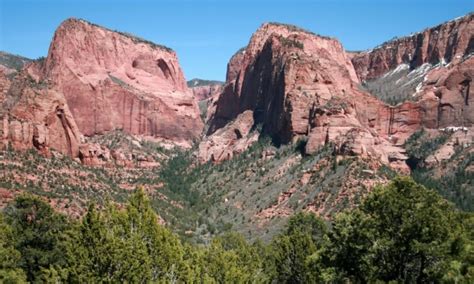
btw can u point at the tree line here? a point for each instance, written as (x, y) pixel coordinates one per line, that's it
(401, 232)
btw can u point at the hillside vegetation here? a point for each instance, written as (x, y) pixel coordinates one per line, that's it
(402, 232)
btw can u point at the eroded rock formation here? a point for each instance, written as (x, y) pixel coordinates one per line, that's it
(93, 81)
(34, 116)
(230, 140)
(447, 42)
(114, 81)
(298, 84)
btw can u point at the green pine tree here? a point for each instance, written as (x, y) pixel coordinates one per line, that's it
(9, 256)
(38, 232)
(402, 232)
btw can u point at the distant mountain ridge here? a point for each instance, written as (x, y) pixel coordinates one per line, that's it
(201, 82)
(12, 63)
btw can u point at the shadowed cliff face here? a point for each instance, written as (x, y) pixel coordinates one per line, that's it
(260, 75)
(301, 85)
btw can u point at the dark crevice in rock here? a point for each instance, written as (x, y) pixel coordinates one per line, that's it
(238, 134)
(65, 125)
(466, 89)
(164, 68)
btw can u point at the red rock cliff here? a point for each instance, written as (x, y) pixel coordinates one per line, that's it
(298, 84)
(269, 78)
(447, 42)
(96, 80)
(34, 116)
(113, 80)
(442, 59)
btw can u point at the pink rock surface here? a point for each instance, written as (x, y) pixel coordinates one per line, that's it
(446, 42)
(38, 117)
(95, 80)
(206, 92)
(114, 81)
(300, 84)
(233, 139)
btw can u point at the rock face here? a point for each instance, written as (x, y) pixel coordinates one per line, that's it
(298, 84)
(34, 116)
(363, 127)
(93, 81)
(204, 89)
(230, 140)
(116, 81)
(440, 59)
(268, 77)
(447, 42)
(447, 95)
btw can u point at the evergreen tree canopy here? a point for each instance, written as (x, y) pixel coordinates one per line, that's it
(401, 232)
(38, 231)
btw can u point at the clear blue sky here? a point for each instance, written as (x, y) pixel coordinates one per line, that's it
(206, 33)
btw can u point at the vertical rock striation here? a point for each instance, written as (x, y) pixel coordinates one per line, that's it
(113, 80)
(95, 80)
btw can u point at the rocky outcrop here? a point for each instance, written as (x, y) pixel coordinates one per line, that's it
(34, 116)
(447, 42)
(226, 142)
(204, 89)
(460, 138)
(364, 127)
(269, 78)
(95, 154)
(94, 81)
(113, 80)
(298, 84)
(447, 95)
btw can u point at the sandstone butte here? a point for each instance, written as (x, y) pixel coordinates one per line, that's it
(96, 80)
(299, 85)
